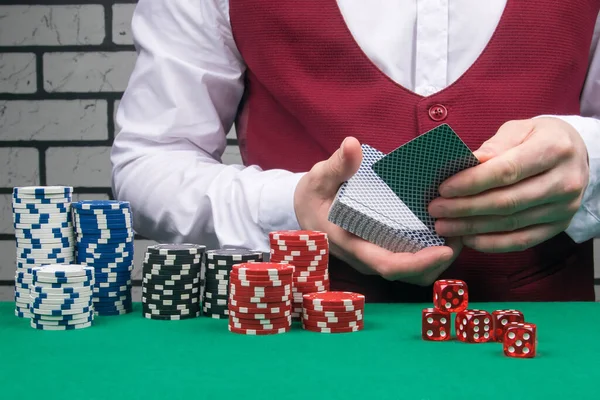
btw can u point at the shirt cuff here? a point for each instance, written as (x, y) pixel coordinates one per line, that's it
(276, 208)
(585, 224)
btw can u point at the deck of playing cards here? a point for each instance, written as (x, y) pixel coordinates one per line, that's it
(386, 201)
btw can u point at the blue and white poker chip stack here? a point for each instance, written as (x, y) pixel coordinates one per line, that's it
(105, 242)
(61, 297)
(44, 234)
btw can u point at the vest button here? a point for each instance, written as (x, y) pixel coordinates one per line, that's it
(438, 112)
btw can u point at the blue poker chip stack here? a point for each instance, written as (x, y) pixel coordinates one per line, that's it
(44, 235)
(61, 297)
(105, 242)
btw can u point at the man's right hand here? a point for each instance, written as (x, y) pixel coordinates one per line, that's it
(313, 197)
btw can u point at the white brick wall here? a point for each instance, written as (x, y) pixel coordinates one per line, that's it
(51, 25)
(17, 73)
(54, 120)
(87, 72)
(121, 28)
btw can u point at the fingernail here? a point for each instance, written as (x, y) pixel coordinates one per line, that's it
(342, 147)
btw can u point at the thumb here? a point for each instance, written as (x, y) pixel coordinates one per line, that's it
(511, 134)
(342, 164)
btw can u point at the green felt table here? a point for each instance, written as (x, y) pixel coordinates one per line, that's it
(129, 357)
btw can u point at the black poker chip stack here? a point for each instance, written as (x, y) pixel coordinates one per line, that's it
(218, 264)
(171, 281)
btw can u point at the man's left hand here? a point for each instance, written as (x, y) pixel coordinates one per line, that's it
(527, 189)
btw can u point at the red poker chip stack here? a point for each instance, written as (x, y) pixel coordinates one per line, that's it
(333, 312)
(308, 252)
(260, 298)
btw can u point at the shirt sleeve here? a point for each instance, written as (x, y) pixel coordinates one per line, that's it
(585, 224)
(172, 122)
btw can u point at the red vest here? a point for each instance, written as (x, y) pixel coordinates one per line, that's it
(309, 85)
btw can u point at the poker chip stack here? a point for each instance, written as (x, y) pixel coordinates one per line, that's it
(105, 242)
(43, 232)
(61, 297)
(260, 299)
(308, 252)
(218, 265)
(333, 312)
(171, 281)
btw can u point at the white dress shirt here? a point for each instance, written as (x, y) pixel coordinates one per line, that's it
(184, 92)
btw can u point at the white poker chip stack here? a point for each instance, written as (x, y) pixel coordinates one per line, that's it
(61, 297)
(44, 235)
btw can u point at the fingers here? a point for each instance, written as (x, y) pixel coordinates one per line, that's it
(514, 241)
(534, 156)
(542, 189)
(398, 266)
(543, 214)
(340, 167)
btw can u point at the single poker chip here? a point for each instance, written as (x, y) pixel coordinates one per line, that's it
(186, 278)
(171, 302)
(324, 287)
(235, 275)
(299, 251)
(234, 254)
(63, 271)
(297, 235)
(318, 265)
(45, 241)
(214, 296)
(292, 258)
(258, 310)
(323, 275)
(169, 268)
(185, 311)
(334, 299)
(115, 281)
(61, 307)
(171, 317)
(280, 304)
(111, 285)
(258, 331)
(58, 295)
(187, 259)
(82, 320)
(101, 205)
(261, 315)
(277, 291)
(60, 327)
(42, 190)
(331, 314)
(298, 243)
(55, 313)
(245, 283)
(113, 313)
(260, 324)
(60, 252)
(60, 281)
(69, 317)
(77, 285)
(332, 322)
(332, 330)
(263, 269)
(96, 240)
(170, 282)
(17, 207)
(170, 291)
(255, 299)
(101, 300)
(80, 302)
(176, 249)
(34, 200)
(349, 308)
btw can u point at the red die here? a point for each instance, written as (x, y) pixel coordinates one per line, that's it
(502, 318)
(450, 295)
(520, 340)
(435, 325)
(473, 326)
